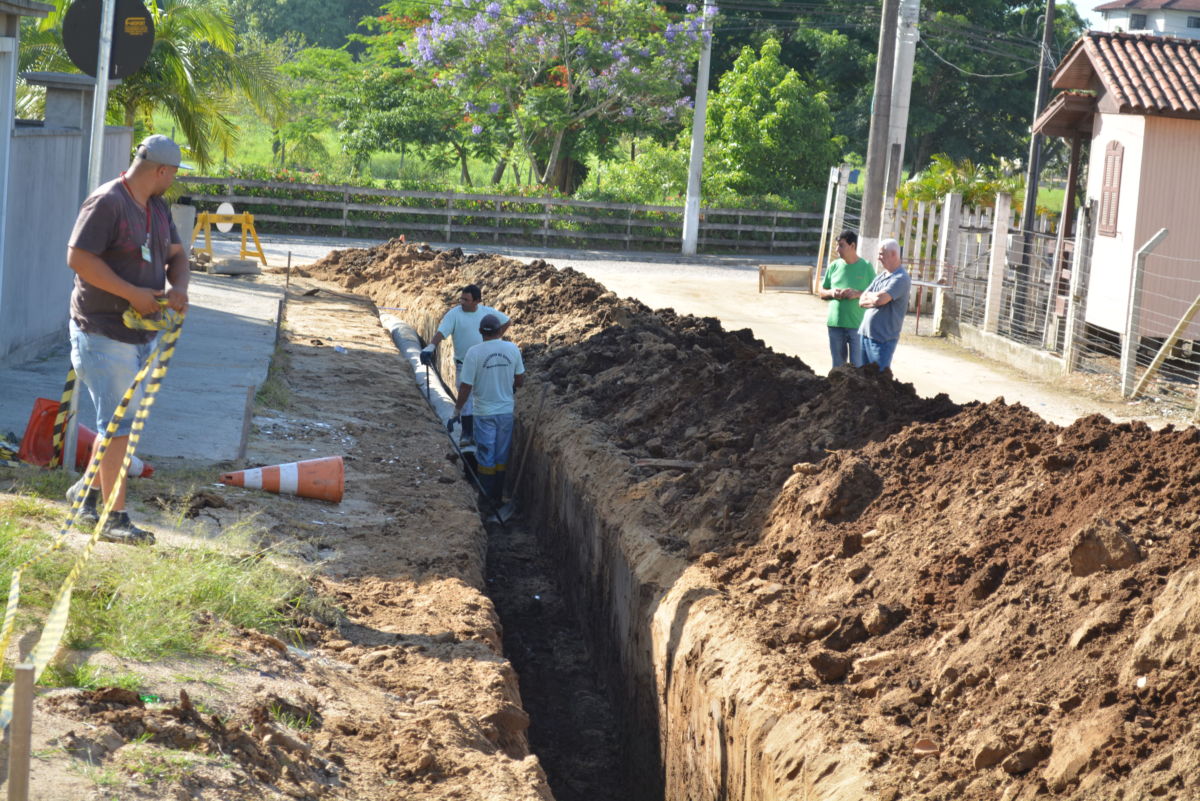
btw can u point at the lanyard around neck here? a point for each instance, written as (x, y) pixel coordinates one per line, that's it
(149, 219)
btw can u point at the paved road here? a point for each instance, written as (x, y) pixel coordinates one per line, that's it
(726, 287)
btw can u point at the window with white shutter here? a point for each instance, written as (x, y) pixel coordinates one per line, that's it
(1110, 189)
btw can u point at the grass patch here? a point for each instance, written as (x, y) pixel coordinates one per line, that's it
(25, 508)
(275, 392)
(151, 603)
(290, 719)
(153, 765)
(88, 677)
(38, 482)
(148, 602)
(19, 542)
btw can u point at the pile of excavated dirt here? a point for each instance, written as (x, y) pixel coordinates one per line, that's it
(1019, 596)
(658, 385)
(994, 606)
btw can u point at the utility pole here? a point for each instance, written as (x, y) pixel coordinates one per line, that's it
(907, 36)
(881, 106)
(100, 97)
(1033, 176)
(691, 208)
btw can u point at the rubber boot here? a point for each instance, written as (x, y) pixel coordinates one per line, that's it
(496, 490)
(486, 482)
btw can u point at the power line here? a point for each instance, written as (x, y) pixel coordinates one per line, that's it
(976, 74)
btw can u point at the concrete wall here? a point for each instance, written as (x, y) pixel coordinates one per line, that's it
(1112, 256)
(1162, 22)
(1169, 197)
(43, 199)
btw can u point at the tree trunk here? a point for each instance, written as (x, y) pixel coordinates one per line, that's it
(498, 173)
(464, 173)
(568, 175)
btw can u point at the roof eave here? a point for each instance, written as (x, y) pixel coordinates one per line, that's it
(25, 8)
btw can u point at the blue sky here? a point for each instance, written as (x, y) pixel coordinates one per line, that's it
(1084, 7)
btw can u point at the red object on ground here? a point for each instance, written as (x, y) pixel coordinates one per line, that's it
(37, 446)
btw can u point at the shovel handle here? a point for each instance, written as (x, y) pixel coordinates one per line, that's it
(529, 440)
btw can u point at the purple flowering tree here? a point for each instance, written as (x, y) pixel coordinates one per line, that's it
(544, 71)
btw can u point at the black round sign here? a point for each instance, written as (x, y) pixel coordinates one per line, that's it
(133, 36)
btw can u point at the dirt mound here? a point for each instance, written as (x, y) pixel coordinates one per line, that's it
(1010, 591)
(256, 747)
(660, 385)
(997, 606)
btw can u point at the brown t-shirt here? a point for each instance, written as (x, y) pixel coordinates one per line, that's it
(112, 226)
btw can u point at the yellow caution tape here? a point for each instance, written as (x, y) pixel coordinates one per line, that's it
(60, 420)
(171, 323)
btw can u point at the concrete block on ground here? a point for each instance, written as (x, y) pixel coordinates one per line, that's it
(235, 267)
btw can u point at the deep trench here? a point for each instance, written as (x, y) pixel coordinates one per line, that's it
(577, 730)
(592, 741)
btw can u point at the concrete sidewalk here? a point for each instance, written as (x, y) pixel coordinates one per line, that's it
(201, 413)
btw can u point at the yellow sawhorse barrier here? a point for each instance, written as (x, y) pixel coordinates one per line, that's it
(206, 220)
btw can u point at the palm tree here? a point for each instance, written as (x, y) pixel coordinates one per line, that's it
(196, 73)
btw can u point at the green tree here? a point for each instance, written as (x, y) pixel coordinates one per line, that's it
(955, 108)
(395, 109)
(315, 87)
(768, 132)
(324, 23)
(196, 73)
(557, 77)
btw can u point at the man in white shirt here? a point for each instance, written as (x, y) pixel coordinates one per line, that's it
(461, 324)
(490, 374)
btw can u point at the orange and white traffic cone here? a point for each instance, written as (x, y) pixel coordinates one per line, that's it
(323, 479)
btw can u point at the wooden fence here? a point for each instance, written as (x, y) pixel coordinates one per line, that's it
(457, 217)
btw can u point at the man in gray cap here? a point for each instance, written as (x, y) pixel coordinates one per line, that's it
(491, 372)
(124, 251)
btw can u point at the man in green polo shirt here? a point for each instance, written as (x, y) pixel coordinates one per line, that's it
(844, 281)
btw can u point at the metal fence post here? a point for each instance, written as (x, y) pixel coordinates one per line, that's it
(947, 254)
(995, 284)
(1133, 320)
(449, 217)
(1081, 261)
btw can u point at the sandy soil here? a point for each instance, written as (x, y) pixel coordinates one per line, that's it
(404, 693)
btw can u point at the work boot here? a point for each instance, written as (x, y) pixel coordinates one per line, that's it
(119, 528)
(89, 513)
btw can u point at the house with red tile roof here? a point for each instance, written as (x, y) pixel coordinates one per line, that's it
(1134, 101)
(1160, 17)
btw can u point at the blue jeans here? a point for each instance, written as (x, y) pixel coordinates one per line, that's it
(493, 444)
(107, 367)
(876, 351)
(843, 342)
